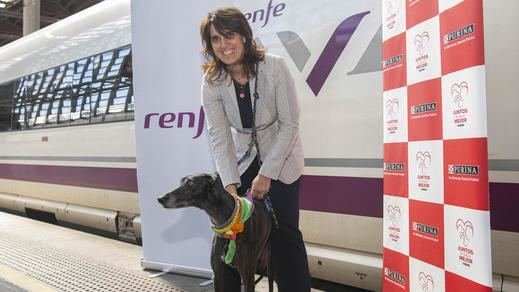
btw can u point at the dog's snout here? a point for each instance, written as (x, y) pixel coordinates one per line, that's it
(162, 200)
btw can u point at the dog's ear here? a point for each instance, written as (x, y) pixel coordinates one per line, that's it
(215, 177)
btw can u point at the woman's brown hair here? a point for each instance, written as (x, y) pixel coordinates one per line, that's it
(227, 21)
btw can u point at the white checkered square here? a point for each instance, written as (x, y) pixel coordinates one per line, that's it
(395, 115)
(423, 51)
(464, 104)
(393, 16)
(426, 171)
(396, 224)
(446, 4)
(467, 243)
(425, 277)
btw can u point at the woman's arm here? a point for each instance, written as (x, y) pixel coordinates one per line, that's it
(288, 119)
(220, 135)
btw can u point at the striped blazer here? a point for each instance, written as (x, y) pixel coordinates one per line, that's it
(277, 117)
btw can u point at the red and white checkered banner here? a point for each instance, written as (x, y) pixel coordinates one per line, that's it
(436, 205)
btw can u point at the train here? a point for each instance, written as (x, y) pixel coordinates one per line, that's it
(68, 155)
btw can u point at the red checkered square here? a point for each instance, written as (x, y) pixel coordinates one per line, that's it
(396, 169)
(426, 232)
(465, 173)
(420, 10)
(425, 110)
(394, 62)
(461, 31)
(395, 271)
(455, 283)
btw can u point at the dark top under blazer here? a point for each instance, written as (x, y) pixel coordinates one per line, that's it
(277, 117)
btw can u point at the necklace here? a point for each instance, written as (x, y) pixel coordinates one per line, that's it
(242, 92)
(242, 88)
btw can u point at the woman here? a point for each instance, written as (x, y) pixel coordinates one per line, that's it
(250, 102)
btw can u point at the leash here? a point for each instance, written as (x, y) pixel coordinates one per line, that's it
(253, 141)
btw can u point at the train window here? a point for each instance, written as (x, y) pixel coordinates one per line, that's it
(7, 120)
(90, 90)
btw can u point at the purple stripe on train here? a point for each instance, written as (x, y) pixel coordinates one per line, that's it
(342, 195)
(119, 179)
(364, 197)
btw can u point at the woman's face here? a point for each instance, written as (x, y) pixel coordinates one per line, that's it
(228, 49)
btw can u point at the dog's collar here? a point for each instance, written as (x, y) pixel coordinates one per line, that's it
(244, 209)
(235, 217)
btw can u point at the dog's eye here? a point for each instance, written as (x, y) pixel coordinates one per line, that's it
(190, 183)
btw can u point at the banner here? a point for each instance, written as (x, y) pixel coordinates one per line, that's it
(170, 130)
(436, 204)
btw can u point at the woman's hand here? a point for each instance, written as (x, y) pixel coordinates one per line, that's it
(232, 189)
(260, 186)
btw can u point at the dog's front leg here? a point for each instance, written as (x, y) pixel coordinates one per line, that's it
(247, 275)
(218, 265)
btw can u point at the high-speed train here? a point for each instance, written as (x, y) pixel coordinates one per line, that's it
(67, 143)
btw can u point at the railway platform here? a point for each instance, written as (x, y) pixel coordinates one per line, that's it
(42, 257)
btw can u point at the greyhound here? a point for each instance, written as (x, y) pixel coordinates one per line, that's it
(206, 192)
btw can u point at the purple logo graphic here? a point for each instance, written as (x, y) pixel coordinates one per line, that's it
(176, 120)
(458, 92)
(264, 14)
(420, 40)
(465, 231)
(331, 52)
(426, 282)
(424, 160)
(392, 108)
(394, 215)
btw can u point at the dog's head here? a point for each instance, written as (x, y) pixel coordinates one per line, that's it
(194, 191)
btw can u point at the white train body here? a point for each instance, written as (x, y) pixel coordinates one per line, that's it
(80, 166)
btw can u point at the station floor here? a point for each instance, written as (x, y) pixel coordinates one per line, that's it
(42, 257)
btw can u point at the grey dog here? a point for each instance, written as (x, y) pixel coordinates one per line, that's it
(206, 192)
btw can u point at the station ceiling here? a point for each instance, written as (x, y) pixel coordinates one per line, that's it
(11, 15)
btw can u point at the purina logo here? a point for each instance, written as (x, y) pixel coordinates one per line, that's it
(420, 42)
(465, 231)
(395, 276)
(465, 235)
(394, 166)
(392, 107)
(464, 169)
(392, 61)
(431, 230)
(426, 282)
(421, 108)
(467, 30)
(424, 161)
